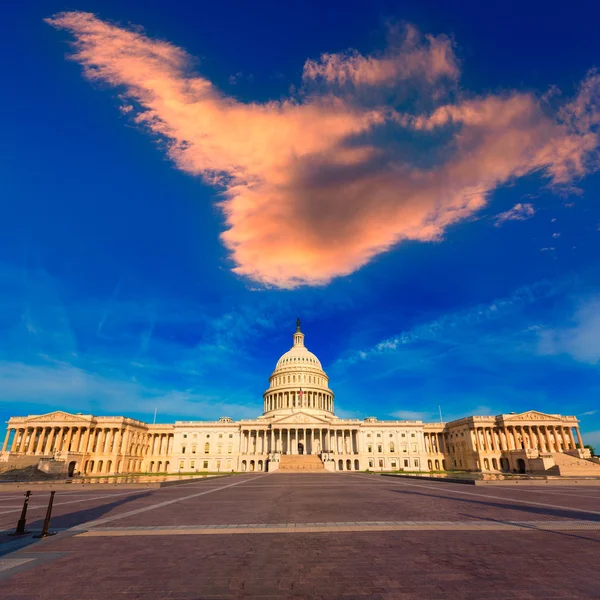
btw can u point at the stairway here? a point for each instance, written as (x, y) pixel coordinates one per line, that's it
(303, 463)
(569, 466)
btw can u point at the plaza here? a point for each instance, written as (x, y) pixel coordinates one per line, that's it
(313, 535)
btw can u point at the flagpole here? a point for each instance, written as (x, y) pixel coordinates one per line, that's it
(154, 422)
(440, 408)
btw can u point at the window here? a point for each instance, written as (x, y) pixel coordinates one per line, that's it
(193, 464)
(378, 435)
(381, 463)
(379, 448)
(205, 464)
(181, 464)
(183, 450)
(194, 449)
(403, 447)
(231, 435)
(184, 435)
(368, 435)
(414, 447)
(406, 462)
(220, 435)
(416, 462)
(369, 448)
(393, 464)
(412, 435)
(208, 435)
(195, 435)
(229, 448)
(403, 435)
(220, 449)
(392, 447)
(371, 463)
(207, 448)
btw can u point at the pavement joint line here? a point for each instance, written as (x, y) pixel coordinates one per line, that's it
(487, 497)
(509, 526)
(161, 504)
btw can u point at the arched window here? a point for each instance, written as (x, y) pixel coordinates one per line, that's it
(288, 378)
(392, 447)
(220, 449)
(294, 378)
(207, 448)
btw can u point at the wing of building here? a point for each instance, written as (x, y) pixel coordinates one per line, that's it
(298, 430)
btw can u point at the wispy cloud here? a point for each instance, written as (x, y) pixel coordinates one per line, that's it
(459, 322)
(519, 212)
(314, 186)
(580, 338)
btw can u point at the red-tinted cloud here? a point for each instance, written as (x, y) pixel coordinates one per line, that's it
(316, 186)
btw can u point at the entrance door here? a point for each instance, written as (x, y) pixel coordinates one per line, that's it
(71, 471)
(520, 465)
(300, 448)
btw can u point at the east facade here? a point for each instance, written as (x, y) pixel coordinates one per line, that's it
(298, 420)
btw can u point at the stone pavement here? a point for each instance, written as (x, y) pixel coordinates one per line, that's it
(308, 536)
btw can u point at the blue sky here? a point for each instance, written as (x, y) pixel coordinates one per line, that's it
(119, 293)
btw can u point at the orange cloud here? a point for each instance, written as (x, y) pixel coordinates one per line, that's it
(429, 58)
(313, 187)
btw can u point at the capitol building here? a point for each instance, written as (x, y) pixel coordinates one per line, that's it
(297, 431)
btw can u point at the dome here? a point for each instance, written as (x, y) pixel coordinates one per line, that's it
(298, 381)
(298, 356)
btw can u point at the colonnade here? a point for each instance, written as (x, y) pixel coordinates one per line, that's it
(545, 438)
(434, 442)
(295, 399)
(289, 440)
(46, 440)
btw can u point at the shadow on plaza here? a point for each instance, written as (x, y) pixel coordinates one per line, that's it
(532, 510)
(62, 523)
(534, 528)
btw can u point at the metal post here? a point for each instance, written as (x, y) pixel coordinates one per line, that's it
(45, 532)
(20, 530)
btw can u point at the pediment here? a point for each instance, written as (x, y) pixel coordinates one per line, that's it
(59, 416)
(300, 418)
(531, 415)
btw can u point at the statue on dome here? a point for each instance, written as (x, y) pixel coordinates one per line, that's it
(298, 324)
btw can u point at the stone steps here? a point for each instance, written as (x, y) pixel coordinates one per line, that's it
(570, 466)
(300, 462)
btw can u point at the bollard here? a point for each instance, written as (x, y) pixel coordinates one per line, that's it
(45, 532)
(20, 530)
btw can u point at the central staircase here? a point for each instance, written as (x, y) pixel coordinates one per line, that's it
(570, 466)
(303, 463)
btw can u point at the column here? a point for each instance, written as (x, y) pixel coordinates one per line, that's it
(49, 440)
(42, 441)
(86, 440)
(548, 439)
(22, 440)
(31, 441)
(69, 438)
(571, 438)
(564, 438)
(5, 445)
(126, 446)
(579, 438)
(119, 437)
(538, 437)
(13, 446)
